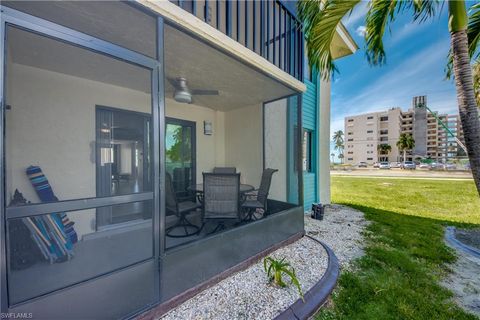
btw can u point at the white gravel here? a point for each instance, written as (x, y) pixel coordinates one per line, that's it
(464, 282)
(248, 295)
(342, 230)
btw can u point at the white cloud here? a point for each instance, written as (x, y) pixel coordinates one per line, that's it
(361, 30)
(357, 15)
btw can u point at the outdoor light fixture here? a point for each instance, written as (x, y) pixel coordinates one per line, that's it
(207, 128)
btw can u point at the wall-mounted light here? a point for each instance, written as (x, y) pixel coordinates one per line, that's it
(207, 128)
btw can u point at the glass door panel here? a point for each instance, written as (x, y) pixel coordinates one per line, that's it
(180, 154)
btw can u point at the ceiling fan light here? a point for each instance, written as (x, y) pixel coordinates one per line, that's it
(182, 96)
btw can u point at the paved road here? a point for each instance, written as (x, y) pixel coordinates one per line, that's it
(404, 174)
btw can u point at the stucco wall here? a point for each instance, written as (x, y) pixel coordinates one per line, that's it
(276, 147)
(52, 124)
(243, 143)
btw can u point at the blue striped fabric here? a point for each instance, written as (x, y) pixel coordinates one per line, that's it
(45, 193)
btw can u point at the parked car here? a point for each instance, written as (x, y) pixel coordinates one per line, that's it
(450, 166)
(376, 164)
(439, 166)
(384, 165)
(362, 164)
(409, 165)
(395, 164)
(425, 166)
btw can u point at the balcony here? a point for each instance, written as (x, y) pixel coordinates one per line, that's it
(268, 28)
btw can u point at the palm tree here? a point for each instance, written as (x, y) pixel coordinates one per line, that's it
(333, 157)
(338, 137)
(339, 146)
(384, 149)
(321, 18)
(476, 81)
(405, 142)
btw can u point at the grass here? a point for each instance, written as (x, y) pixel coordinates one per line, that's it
(405, 257)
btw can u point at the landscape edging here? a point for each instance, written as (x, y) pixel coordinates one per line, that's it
(450, 238)
(316, 297)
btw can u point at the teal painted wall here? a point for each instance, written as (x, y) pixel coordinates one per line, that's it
(309, 120)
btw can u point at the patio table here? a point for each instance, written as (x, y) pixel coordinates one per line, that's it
(198, 188)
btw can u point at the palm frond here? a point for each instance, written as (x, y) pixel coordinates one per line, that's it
(473, 31)
(473, 34)
(320, 21)
(379, 15)
(424, 9)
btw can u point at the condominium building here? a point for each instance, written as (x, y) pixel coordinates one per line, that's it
(365, 133)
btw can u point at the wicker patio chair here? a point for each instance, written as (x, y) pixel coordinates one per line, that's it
(221, 198)
(255, 205)
(224, 170)
(180, 209)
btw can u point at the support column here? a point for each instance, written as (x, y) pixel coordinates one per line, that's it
(323, 129)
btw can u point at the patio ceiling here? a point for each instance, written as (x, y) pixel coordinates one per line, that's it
(205, 67)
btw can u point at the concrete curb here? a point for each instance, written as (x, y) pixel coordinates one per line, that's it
(450, 238)
(318, 294)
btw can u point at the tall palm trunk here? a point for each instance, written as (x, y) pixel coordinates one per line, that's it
(464, 84)
(404, 155)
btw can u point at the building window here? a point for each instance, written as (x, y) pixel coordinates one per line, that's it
(384, 118)
(369, 158)
(350, 152)
(383, 138)
(350, 120)
(369, 138)
(350, 140)
(369, 131)
(307, 150)
(350, 133)
(350, 159)
(370, 118)
(383, 131)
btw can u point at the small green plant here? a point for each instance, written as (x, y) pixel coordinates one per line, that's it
(275, 269)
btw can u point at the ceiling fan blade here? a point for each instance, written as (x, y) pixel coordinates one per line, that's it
(173, 82)
(201, 92)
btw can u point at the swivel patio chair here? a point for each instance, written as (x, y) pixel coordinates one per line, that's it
(221, 196)
(255, 205)
(224, 170)
(180, 209)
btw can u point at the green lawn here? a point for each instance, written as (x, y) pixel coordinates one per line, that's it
(405, 255)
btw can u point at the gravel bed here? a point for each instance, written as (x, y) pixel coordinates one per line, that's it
(248, 295)
(470, 237)
(342, 230)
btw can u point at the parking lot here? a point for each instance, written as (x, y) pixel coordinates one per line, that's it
(401, 173)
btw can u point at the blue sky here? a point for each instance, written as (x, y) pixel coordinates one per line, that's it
(416, 58)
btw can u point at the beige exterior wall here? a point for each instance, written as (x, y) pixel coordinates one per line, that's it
(243, 143)
(275, 147)
(368, 131)
(52, 124)
(361, 135)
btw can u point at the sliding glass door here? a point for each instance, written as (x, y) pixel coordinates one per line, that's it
(180, 154)
(123, 162)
